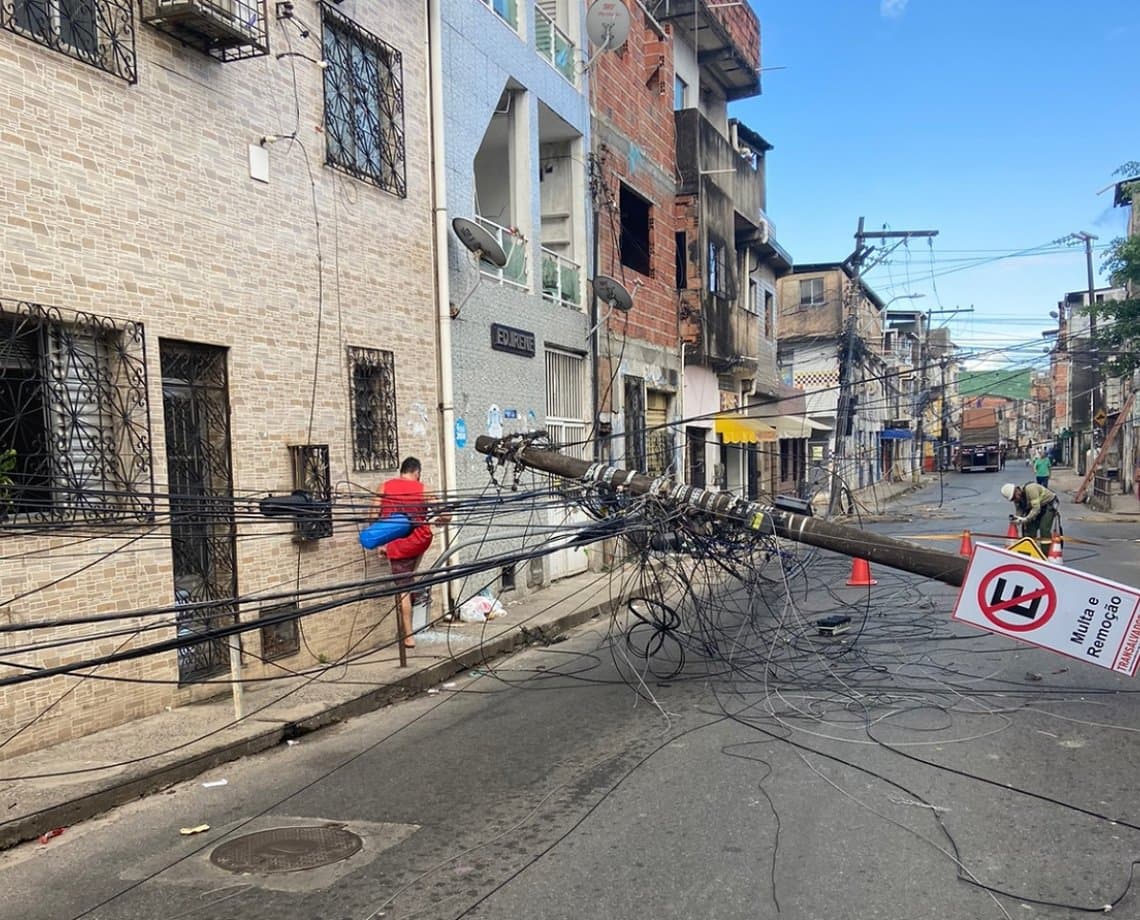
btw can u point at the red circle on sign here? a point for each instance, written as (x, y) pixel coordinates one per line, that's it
(991, 608)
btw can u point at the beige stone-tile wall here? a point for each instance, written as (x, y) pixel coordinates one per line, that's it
(136, 203)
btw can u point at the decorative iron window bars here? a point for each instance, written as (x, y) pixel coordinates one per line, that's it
(635, 423)
(281, 637)
(195, 408)
(73, 406)
(372, 405)
(312, 475)
(229, 30)
(97, 32)
(364, 103)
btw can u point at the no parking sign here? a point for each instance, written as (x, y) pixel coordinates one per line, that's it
(1053, 607)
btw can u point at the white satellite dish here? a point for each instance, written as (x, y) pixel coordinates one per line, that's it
(607, 25)
(479, 241)
(614, 294)
(485, 247)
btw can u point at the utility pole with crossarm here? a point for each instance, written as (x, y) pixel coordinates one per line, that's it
(862, 257)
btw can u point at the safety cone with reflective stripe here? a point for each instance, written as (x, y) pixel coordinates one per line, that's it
(860, 574)
(1012, 533)
(1056, 551)
(965, 548)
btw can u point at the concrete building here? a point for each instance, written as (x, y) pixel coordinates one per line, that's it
(214, 264)
(827, 318)
(726, 255)
(1075, 363)
(939, 421)
(516, 126)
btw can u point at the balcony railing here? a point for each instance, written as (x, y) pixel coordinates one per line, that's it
(514, 246)
(554, 45)
(507, 10)
(561, 279)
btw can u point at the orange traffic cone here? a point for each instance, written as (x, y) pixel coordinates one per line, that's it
(965, 548)
(1056, 551)
(860, 574)
(1012, 533)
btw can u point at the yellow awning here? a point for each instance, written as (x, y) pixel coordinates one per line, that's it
(737, 429)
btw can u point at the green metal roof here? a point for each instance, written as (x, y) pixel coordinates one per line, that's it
(1006, 384)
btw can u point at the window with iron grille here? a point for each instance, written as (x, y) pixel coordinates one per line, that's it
(566, 401)
(312, 475)
(372, 408)
(97, 32)
(635, 423)
(282, 636)
(73, 408)
(364, 103)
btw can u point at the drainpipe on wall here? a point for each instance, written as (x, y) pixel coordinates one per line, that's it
(442, 281)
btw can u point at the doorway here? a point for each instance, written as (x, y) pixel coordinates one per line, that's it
(196, 407)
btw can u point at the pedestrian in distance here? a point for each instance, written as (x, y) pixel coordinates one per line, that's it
(1036, 510)
(1042, 469)
(404, 494)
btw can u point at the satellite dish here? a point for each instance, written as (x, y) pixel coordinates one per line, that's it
(479, 241)
(607, 24)
(614, 293)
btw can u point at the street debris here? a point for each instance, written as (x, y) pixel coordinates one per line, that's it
(198, 829)
(54, 832)
(479, 609)
(214, 783)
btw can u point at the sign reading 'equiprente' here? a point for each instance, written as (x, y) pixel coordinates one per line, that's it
(516, 341)
(1053, 607)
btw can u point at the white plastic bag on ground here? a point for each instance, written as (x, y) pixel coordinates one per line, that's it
(479, 609)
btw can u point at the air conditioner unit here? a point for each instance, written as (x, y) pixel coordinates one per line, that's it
(764, 234)
(221, 22)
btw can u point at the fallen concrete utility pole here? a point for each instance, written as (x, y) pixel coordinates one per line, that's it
(851, 541)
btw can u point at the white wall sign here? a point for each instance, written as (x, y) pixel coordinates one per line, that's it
(1057, 608)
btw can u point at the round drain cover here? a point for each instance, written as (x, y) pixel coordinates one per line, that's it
(286, 849)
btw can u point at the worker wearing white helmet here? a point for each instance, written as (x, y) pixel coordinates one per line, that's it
(1037, 508)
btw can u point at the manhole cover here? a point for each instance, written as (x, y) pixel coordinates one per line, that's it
(286, 849)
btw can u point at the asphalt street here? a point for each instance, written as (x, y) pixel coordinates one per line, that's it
(910, 767)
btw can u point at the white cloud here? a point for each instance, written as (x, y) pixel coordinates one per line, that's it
(892, 9)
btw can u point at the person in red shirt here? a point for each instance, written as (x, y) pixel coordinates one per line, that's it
(405, 495)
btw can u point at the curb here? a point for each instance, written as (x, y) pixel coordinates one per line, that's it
(91, 804)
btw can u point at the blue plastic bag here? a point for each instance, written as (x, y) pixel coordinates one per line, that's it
(385, 530)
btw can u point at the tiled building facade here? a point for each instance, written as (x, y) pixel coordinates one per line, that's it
(204, 291)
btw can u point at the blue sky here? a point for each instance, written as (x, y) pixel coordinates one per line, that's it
(994, 122)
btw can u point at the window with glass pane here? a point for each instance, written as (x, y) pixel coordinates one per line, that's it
(811, 291)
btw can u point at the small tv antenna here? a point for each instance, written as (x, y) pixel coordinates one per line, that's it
(607, 25)
(485, 248)
(613, 293)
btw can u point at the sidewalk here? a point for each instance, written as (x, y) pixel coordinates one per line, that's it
(71, 782)
(1064, 480)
